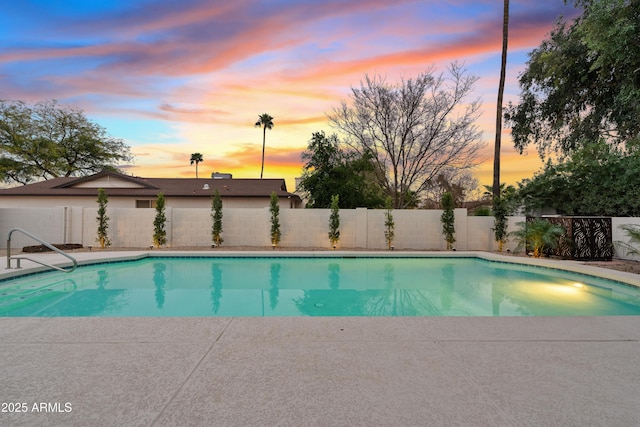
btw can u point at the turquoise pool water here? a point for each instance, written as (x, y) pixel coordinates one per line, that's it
(314, 287)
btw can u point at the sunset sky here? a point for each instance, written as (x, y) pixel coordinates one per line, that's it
(173, 78)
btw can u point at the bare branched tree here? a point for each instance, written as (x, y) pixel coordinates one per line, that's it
(414, 129)
(459, 182)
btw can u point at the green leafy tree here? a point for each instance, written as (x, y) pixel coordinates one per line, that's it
(274, 208)
(334, 221)
(596, 180)
(195, 159)
(266, 122)
(539, 235)
(507, 192)
(581, 85)
(329, 170)
(216, 216)
(389, 225)
(47, 140)
(448, 220)
(103, 219)
(412, 130)
(159, 232)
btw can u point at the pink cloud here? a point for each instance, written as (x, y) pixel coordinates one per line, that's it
(197, 61)
(485, 39)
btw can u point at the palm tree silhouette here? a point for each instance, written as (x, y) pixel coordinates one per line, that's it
(196, 158)
(503, 68)
(266, 122)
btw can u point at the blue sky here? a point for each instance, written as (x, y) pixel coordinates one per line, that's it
(173, 78)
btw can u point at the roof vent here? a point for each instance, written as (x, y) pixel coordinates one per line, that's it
(205, 187)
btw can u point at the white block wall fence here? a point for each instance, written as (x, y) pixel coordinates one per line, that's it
(301, 228)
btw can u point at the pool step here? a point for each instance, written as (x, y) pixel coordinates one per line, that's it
(13, 298)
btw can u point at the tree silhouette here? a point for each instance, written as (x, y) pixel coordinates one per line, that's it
(196, 158)
(413, 130)
(266, 122)
(503, 69)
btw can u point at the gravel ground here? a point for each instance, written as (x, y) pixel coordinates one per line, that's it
(616, 264)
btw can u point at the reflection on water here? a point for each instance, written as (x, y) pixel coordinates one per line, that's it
(400, 302)
(330, 302)
(216, 287)
(103, 279)
(273, 285)
(499, 288)
(159, 281)
(447, 286)
(334, 275)
(313, 287)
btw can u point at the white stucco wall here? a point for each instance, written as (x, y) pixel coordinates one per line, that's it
(359, 228)
(620, 236)
(43, 222)
(307, 228)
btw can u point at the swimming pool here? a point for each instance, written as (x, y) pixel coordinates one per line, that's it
(314, 286)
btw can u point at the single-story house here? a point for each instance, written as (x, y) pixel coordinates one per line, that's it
(126, 191)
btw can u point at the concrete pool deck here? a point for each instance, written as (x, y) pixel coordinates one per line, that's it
(532, 371)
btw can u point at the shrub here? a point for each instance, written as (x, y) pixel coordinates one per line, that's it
(159, 232)
(500, 222)
(216, 216)
(448, 220)
(103, 219)
(540, 235)
(275, 221)
(334, 221)
(389, 225)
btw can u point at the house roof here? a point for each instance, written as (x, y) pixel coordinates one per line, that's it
(117, 184)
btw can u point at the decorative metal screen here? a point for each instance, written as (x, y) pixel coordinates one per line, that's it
(587, 238)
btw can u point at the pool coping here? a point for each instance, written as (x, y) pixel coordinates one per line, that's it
(97, 257)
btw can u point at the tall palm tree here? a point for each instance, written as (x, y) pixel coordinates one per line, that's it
(196, 158)
(503, 68)
(266, 122)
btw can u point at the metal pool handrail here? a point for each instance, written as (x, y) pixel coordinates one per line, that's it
(53, 248)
